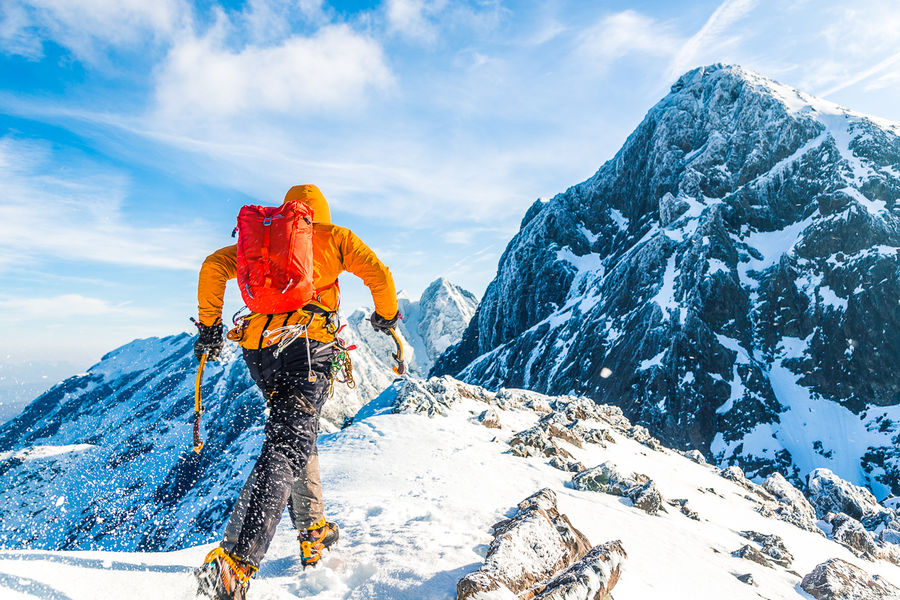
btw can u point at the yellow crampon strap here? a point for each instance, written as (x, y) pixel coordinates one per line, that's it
(243, 571)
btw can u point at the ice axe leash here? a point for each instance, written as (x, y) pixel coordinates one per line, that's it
(400, 369)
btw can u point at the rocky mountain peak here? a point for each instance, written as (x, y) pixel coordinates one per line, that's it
(732, 270)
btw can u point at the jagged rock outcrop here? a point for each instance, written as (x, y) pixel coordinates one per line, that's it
(771, 547)
(837, 579)
(829, 493)
(605, 478)
(793, 506)
(591, 578)
(849, 532)
(729, 278)
(529, 548)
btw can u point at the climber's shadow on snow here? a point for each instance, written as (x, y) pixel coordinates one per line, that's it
(23, 585)
(95, 563)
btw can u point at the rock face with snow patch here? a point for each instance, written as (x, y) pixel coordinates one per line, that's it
(735, 266)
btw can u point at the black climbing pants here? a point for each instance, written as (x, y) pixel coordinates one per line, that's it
(290, 437)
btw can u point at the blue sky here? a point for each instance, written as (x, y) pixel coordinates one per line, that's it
(131, 132)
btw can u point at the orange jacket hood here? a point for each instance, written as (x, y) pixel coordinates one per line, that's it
(311, 195)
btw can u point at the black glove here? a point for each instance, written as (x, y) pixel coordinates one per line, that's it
(383, 325)
(210, 340)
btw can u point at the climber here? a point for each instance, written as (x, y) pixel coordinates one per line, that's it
(290, 354)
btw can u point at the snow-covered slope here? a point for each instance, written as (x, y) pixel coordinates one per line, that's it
(731, 279)
(416, 496)
(103, 459)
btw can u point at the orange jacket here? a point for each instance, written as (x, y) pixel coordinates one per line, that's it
(335, 250)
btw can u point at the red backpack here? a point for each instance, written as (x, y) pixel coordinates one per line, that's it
(275, 257)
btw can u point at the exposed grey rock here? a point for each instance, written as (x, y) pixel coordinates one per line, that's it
(849, 532)
(696, 456)
(750, 553)
(772, 546)
(828, 493)
(607, 479)
(792, 506)
(837, 579)
(572, 466)
(746, 578)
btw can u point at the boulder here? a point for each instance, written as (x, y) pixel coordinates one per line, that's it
(836, 579)
(771, 546)
(849, 532)
(490, 419)
(529, 548)
(749, 552)
(696, 456)
(605, 478)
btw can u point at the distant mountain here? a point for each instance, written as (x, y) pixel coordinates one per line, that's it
(115, 442)
(730, 278)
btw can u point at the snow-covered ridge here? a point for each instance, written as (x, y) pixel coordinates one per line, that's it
(418, 480)
(103, 460)
(730, 279)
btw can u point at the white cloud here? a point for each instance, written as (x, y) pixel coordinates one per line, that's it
(332, 69)
(409, 18)
(76, 214)
(624, 33)
(64, 306)
(87, 26)
(714, 35)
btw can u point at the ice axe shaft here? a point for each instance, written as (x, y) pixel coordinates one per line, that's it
(400, 369)
(198, 404)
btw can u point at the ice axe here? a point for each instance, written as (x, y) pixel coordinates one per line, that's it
(400, 369)
(198, 404)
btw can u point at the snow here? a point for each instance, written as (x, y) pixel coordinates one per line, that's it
(772, 245)
(619, 219)
(586, 263)
(717, 266)
(665, 296)
(830, 298)
(415, 498)
(652, 362)
(38, 452)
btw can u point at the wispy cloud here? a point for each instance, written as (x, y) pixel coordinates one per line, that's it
(624, 33)
(63, 307)
(715, 33)
(87, 27)
(76, 214)
(878, 69)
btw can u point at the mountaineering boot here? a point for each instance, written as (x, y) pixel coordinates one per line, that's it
(223, 577)
(315, 539)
